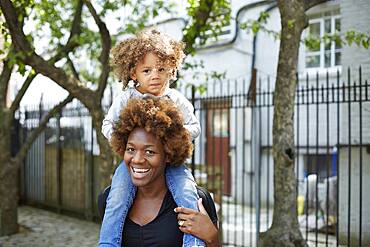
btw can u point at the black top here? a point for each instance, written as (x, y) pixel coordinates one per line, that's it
(163, 230)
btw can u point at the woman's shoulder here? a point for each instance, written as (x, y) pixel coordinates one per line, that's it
(208, 203)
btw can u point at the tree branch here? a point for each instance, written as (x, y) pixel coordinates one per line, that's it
(20, 42)
(4, 81)
(36, 132)
(106, 45)
(22, 91)
(15, 28)
(75, 32)
(199, 20)
(73, 68)
(311, 3)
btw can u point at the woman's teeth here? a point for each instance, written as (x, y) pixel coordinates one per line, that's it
(140, 170)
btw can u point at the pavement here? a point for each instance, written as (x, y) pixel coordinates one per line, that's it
(240, 227)
(41, 228)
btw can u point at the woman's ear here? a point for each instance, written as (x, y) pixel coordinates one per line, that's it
(167, 160)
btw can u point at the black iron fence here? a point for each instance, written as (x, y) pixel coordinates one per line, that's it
(60, 171)
(233, 157)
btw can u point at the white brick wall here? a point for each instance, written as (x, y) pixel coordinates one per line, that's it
(354, 188)
(355, 14)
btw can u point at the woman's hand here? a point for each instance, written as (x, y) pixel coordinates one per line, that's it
(198, 224)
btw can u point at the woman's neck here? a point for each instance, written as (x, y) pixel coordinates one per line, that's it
(153, 190)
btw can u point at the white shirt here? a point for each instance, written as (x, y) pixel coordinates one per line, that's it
(191, 122)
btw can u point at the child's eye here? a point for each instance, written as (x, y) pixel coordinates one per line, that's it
(129, 149)
(161, 69)
(146, 71)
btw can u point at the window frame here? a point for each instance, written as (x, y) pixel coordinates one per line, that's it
(321, 52)
(226, 35)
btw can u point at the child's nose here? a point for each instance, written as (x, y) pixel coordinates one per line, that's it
(156, 72)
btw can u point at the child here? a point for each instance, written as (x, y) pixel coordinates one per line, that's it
(145, 64)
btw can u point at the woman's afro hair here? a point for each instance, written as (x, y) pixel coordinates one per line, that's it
(161, 118)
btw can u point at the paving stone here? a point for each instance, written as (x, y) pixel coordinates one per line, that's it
(41, 228)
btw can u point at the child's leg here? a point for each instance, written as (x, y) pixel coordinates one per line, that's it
(119, 201)
(182, 185)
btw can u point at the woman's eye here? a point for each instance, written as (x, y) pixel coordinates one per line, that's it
(150, 152)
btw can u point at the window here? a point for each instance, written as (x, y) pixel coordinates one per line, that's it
(220, 123)
(226, 33)
(329, 53)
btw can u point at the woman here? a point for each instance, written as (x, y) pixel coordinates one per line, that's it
(150, 136)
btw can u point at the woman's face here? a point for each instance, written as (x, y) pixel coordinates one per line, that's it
(145, 158)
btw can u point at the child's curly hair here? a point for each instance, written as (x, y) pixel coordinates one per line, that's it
(129, 52)
(161, 118)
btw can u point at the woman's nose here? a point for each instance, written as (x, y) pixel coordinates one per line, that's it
(138, 157)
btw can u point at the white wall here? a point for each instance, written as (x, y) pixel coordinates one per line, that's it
(353, 166)
(355, 16)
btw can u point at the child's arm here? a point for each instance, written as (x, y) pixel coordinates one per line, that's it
(113, 113)
(191, 123)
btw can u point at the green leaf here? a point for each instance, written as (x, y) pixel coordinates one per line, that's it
(22, 68)
(155, 13)
(263, 17)
(255, 27)
(365, 43)
(312, 43)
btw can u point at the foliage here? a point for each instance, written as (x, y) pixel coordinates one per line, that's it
(209, 17)
(6, 51)
(312, 42)
(256, 25)
(4, 36)
(48, 24)
(198, 73)
(146, 10)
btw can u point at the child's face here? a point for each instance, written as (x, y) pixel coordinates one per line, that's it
(151, 75)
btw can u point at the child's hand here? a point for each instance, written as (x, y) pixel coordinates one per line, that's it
(198, 224)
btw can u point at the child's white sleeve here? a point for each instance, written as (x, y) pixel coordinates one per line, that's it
(113, 114)
(191, 123)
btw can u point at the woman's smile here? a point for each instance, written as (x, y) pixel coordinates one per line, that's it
(139, 173)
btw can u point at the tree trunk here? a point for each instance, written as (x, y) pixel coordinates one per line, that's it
(106, 153)
(285, 228)
(8, 190)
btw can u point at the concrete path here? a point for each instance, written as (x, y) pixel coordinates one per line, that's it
(40, 228)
